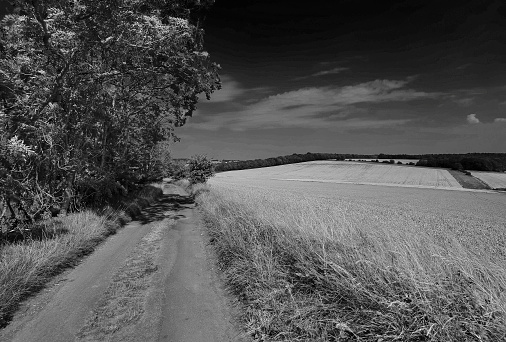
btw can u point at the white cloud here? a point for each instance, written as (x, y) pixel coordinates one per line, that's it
(318, 107)
(472, 119)
(500, 120)
(230, 90)
(329, 72)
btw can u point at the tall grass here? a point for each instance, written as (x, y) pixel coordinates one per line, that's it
(310, 270)
(56, 244)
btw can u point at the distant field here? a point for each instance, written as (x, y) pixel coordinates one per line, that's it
(493, 179)
(353, 172)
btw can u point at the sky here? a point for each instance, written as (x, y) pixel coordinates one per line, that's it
(352, 76)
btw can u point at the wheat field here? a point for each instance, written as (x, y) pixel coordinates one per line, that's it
(353, 172)
(496, 180)
(316, 261)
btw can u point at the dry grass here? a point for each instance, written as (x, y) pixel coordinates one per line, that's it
(310, 269)
(26, 266)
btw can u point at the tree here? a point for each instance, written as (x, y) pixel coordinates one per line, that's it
(94, 88)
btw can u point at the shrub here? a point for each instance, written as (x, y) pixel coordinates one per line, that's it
(178, 171)
(199, 169)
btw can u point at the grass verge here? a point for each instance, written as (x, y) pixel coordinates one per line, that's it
(305, 271)
(54, 245)
(468, 182)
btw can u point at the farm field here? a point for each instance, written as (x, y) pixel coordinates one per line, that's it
(493, 179)
(317, 260)
(353, 172)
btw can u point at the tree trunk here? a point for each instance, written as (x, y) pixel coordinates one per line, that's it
(104, 148)
(69, 193)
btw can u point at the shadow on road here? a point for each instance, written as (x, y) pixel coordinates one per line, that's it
(167, 207)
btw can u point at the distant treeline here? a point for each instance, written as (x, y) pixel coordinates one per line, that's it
(398, 156)
(469, 161)
(290, 159)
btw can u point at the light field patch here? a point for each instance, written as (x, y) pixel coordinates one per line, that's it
(353, 172)
(496, 180)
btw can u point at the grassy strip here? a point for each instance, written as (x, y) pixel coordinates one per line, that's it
(468, 182)
(303, 275)
(26, 266)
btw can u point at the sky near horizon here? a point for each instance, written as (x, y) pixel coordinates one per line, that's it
(352, 76)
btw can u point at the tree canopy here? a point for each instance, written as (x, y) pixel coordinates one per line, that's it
(91, 91)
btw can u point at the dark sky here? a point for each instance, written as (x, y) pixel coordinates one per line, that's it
(355, 76)
(352, 76)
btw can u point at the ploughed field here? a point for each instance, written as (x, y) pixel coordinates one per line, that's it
(332, 260)
(353, 172)
(496, 180)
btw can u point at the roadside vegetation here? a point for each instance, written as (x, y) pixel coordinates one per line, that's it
(90, 95)
(197, 170)
(313, 269)
(30, 258)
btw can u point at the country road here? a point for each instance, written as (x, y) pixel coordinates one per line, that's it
(152, 281)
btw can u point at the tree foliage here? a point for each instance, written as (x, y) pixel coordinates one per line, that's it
(469, 161)
(90, 91)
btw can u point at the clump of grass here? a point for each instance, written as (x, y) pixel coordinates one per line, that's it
(307, 270)
(27, 265)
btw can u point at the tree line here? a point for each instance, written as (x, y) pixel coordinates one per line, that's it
(289, 159)
(469, 161)
(90, 94)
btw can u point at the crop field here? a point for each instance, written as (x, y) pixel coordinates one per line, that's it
(325, 261)
(496, 180)
(354, 172)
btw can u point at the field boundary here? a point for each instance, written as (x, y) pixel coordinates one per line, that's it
(383, 184)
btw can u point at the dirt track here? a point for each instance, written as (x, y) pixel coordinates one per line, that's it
(152, 281)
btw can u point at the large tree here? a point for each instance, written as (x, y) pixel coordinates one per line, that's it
(89, 89)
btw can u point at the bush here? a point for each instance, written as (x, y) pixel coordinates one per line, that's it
(199, 169)
(178, 171)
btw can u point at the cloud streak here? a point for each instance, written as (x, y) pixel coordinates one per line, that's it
(330, 72)
(323, 73)
(319, 107)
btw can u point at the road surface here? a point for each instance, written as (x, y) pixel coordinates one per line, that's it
(152, 281)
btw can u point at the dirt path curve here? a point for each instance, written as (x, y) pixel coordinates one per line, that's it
(152, 281)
